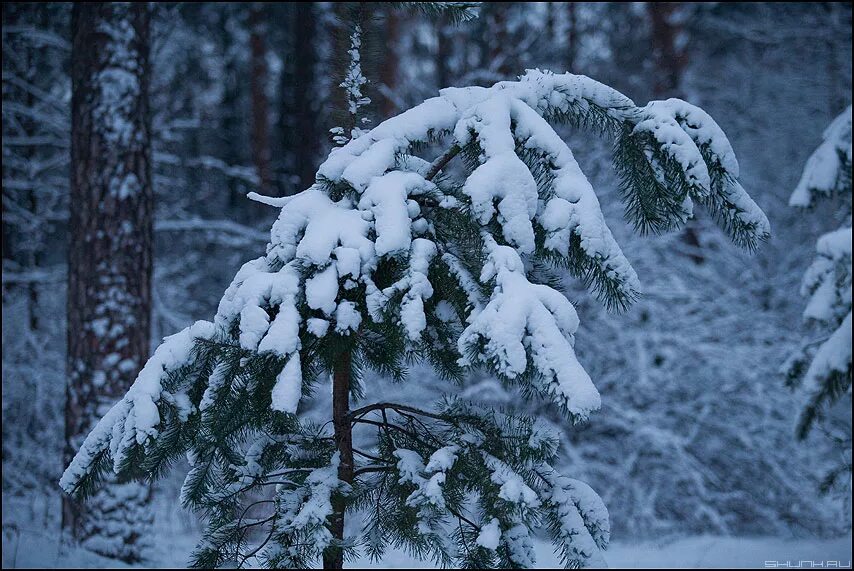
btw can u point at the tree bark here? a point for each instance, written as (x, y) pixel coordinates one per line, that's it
(110, 252)
(333, 558)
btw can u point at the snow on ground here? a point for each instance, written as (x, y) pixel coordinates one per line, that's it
(32, 548)
(690, 552)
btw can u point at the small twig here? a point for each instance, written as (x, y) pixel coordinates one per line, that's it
(461, 517)
(368, 456)
(442, 160)
(369, 469)
(413, 418)
(260, 547)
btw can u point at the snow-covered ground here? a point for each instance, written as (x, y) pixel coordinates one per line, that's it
(31, 548)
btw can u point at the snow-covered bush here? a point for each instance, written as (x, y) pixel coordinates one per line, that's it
(390, 259)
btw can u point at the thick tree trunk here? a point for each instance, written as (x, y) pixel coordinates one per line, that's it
(334, 558)
(110, 252)
(258, 80)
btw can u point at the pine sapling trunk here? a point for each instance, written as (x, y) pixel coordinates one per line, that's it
(333, 557)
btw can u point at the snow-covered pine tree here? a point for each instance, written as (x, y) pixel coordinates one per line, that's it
(390, 259)
(821, 367)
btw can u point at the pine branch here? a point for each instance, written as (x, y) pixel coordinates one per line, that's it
(457, 12)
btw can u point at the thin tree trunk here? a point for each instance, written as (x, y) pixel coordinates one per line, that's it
(572, 36)
(333, 558)
(306, 99)
(443, 52)
(110, 252)
(344, 14)
(500, 48)
(258, 81)
(231, 121)
(550, 22)
(34, 262)
(390, 63)
(299, 122)
(670, 57)
(33, 243)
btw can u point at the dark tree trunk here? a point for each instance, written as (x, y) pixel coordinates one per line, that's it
(500, 48)
(110, 251)
(670, 57)
(572, 36)
(260, 105)
(306, 105)
(232, 135)
(333, 558)
(444, 39)
(348, 16)
(343, 15)
(390, 63)
(299, 120)
(550, 22)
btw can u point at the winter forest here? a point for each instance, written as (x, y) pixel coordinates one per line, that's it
(426, 284)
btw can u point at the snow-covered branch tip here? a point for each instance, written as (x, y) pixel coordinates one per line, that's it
(277, 201)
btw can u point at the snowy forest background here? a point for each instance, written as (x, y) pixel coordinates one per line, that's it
(696, 432)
